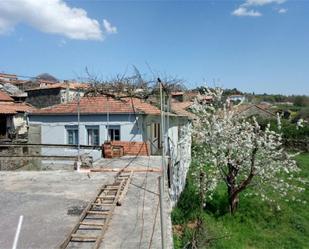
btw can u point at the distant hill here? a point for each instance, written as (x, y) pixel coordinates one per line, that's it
(47, 76)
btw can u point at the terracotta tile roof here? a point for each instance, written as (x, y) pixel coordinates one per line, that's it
(8, 76)
(101, 104)
(177, 93)
(244, 107)
(72, 86)
(13, 108)
(5, 97)
(181, 108)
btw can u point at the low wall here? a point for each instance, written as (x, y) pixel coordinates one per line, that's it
(15, 163)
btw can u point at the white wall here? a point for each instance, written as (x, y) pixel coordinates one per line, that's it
(180, 152)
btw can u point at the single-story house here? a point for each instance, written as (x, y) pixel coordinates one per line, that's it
(13, 119)
(130, 123)
(104, 119)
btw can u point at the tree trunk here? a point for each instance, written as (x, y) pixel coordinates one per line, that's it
(233, 202)
(232, 188)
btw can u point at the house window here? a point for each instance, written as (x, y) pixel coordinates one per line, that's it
(72, 134)
(114, 133)
(93, 135)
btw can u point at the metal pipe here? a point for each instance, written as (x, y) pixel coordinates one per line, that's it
(162, 220)
(78, 132)
(162, 177)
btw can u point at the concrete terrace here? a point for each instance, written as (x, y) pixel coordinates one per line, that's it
(44, 198)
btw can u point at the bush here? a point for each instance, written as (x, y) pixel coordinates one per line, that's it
(289, 130)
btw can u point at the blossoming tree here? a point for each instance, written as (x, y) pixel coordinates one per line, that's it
(236, 151)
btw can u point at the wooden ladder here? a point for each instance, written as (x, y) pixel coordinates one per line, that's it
(94, 220)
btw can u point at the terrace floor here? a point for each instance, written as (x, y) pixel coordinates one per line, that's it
(44, 198)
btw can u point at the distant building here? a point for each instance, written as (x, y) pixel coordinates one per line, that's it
(13, 121)
(250, 110)
(14, 92)
(237, 98)
(57, 93)
(177, 96)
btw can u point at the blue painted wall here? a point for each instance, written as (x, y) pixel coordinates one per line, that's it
(53, 130)
(54, 127)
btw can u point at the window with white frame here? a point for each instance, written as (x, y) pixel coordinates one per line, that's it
(114, 133)
(93, 137)
(72, 134)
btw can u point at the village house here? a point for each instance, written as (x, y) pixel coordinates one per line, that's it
(14, 92)
(13, 119)
(129, 124)
(257, 110)
(57, 93)
(237, 98)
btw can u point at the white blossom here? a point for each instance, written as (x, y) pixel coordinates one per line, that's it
(227, 145)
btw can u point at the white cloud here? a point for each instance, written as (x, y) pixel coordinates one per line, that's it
(282, 11)
(109, 29)
(242, 11)
(245, 9)
(50, 16)
(262, 2)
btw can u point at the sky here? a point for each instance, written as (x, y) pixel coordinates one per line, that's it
(259, 46)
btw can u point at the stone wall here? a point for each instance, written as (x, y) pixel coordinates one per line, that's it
(44, 97)
(12, 158)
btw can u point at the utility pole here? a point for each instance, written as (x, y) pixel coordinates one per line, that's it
(162, 177)
(78, 164)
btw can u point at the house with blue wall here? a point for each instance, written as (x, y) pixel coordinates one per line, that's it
(128, 122)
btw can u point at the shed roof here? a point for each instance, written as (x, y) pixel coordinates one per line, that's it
(100, 105)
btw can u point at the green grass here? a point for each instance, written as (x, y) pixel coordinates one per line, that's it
(256, 225)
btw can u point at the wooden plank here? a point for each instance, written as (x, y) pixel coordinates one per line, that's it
(109, 217)
(134, 169)
(91, 224)
(98, 212)
(102, 204)
(84, 237)
(108, 198)
(75, 228)
(120, 189)
(125, 189)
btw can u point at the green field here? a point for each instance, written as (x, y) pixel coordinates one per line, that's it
(257, 224)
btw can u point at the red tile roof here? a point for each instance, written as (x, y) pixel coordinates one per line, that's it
(181, 108)
(73, 86)
(13, 108)
(100, 105)
(5, 97)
